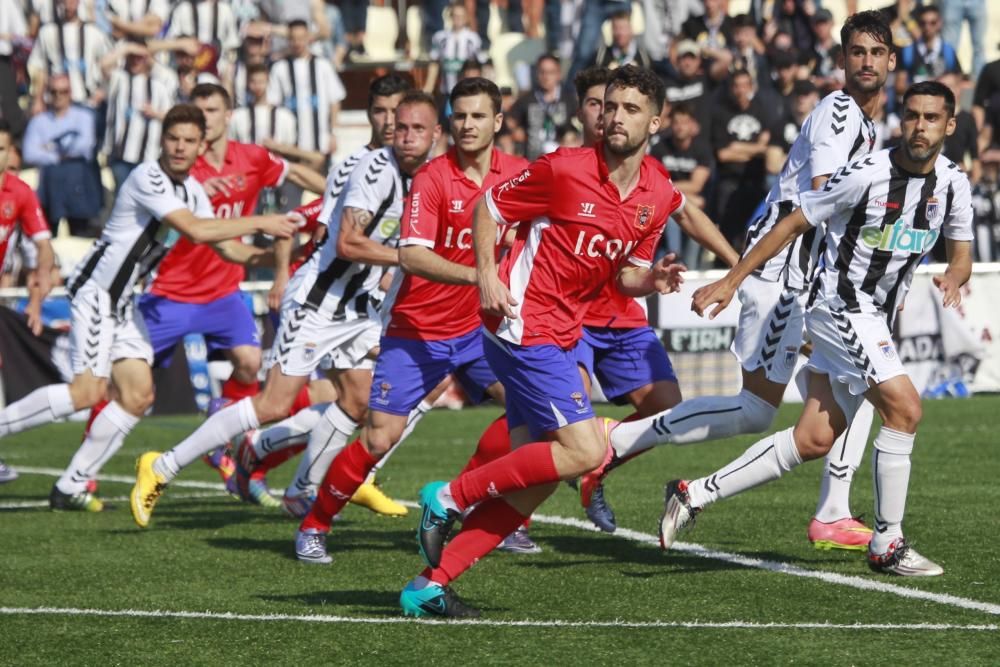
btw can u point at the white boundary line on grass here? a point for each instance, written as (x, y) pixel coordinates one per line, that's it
(124, 479)
(396, 620)
(32, 504)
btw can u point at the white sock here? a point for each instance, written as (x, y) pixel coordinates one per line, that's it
(696, 420)
(326, 440)
(289, 432)
(446, 499)
(841, 463)
(106, 436)
(411, 423)
(217, 430)
(42, 406)
(765, 461)
(891, 472)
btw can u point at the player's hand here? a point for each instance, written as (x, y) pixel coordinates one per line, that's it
(33, 311)
(668, 274)
(719, 292)
(950, 289)
(217, 185)
(280, 226)
(277, 291)
(496, 299)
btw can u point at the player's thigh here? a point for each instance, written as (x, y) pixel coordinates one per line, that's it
(581, 446)
(227, 323)
(823, 418)
(632, 366)
(406, 371)
(87, 389)
(768, 336)
(166, 322)
(322, 390)
(133, 381)
(898, 403)
(353, 387)
(275, 399)
(473, 372)
(654, 398)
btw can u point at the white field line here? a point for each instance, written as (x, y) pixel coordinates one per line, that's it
(31, 504)
(396, 620)
(125, 479)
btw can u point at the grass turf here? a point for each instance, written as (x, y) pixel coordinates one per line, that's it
(214, 554)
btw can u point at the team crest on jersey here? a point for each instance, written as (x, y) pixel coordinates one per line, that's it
(383, 392)
(8, 209)
(887, 349)
(932, 208)
(643, 214)
(240, 181)
(578, 398)
(309, 351)
(791, 354)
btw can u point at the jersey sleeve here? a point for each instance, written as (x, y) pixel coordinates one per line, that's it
(366, 189)
(842, 191)
(154, 192)
(273, 169)
(525, 196)
(421, 211)
(31, 217)
(958, 223)
(311, 213)
(833, 131)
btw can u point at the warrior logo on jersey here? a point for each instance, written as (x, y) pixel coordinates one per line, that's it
(932, 208)
(888, 351)
(643, 214)
(8, 209)
(457, 205)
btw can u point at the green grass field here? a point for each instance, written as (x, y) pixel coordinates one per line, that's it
(216, 582)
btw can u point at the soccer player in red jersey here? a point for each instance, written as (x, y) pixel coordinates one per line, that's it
(433, 326)
(19, 208)
(595, 213)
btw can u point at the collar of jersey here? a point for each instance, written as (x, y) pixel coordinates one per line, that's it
(456, 172)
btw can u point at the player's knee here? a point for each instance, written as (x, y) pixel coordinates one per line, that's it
(247, 363)
(757, 414)
(378, 442)
(356, 407)
(87, 394)
(905, 416)
(271, 408)
(812, 444)
(137, 400)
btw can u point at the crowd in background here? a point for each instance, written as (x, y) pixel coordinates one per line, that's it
(85, 83)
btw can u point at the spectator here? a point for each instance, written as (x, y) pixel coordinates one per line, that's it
(826, 73)
(44, 12)
(254, 52)
(625, 48)
(954, 12)
(139, 96)
(354, 14)
(260, 122)
(778, 90)
(803, 98)
(900, 16)
(929, 56)
(793, 17)
(712, 31)
(595, 12)
(61, 141)
(986, 214)
(688, 157)
(690, 84)
(748, 50)
(335, 48)
(311, 89)
(962, 146)
(136, 19)
(69, 46)
(739, 138)
(664, 19)
(537, 115)
(514, 19)
(211, 22)
(450, 49)
(12, 27)
(278, 17)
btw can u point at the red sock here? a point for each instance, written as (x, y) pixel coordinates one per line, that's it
(275, 459)
(347, 472)
(301, 401)
(94, 411)
(235, 390)
(482, 531)
(528, 465)
(493, 443)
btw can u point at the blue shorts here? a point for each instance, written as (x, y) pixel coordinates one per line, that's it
(225, 323)
(407, 370)
(542, 383)
(624, 360)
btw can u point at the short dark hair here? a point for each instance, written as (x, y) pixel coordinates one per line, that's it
(932, 89)
(871, 22)
(413, 97)
(476, 85)
(926, 9)
(621, 14)
(298, 23)
(470, 64)
(743, 21)
(184, 113)
(204, 90)
(643, 80)
(588, 78)
(5, 128)
(683, 108)
(548, 56)
(257, 68)
(387, 86)
(738, 73)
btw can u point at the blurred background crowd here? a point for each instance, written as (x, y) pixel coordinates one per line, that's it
(85, 83)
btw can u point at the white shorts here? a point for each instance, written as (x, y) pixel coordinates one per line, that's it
(769, 333)
(855, 350)
(98, 337)
(307, 340)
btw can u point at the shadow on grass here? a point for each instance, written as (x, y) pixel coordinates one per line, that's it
(339, 542)
(368, 602)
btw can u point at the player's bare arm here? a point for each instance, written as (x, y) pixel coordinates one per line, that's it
(247, 255)
(306, 178)
(426, 263)
(494, 297)
(282, 261)
(705, 233)
(354, 244)
(313, 159)
(958, 272)
(721, 291)
(39, 285)
(663, 277)
(201, 230)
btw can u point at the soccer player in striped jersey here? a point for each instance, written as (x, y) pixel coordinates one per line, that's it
(883, 213)
(773, 298)
(108, 339)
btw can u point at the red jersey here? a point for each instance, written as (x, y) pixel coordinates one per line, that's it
(194, 273)
(581, 233)
(311, 213)
(19, 206)
(438, 215)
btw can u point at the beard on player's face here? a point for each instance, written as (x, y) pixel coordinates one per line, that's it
(622, 143)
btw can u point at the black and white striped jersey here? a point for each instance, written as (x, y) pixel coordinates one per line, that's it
(336, 181)
(338, 287)
(880, 221)
(131, 135)
(135, 237)
(134, 10)
(252, 125)
(835, 133)
(74, 49)
(47, 12)
(307, 87)
(211, 22)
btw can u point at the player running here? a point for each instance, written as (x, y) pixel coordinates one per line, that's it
(328, 306)
(883, 213)
(594, 212)
(433, 326)
(108, 338)
(770, 331)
